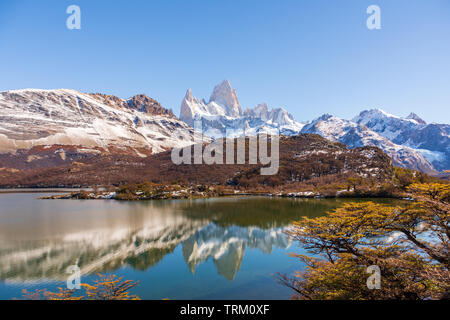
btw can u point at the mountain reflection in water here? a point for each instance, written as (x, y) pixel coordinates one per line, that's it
(42, 240)
(180, 249)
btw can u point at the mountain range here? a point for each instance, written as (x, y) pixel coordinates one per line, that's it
(42, 129)
(409, 141)
(93, 123)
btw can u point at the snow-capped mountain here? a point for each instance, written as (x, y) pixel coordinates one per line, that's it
(387, 125)
(410, 141)
(357, 135)
(431, 140)
(93, 122)
(51, 127)
(223, 115)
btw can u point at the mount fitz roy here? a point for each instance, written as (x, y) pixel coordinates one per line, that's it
(410, 141)
(223, 115)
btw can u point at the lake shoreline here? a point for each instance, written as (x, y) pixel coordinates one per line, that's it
(155, 191)
(299, 195)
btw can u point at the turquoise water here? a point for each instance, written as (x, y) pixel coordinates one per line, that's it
(225, 248)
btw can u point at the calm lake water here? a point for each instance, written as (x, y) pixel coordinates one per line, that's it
(226, 248)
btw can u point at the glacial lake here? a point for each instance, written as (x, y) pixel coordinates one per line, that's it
(220, 248)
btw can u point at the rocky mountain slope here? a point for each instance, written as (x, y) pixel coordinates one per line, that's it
(84, 124)
(357, 135)
(302, 158)
(431, 140)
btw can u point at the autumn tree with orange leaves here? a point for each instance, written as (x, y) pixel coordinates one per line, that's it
(409, 243)
(106, 287)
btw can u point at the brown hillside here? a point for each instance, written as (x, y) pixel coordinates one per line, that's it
(305, 157)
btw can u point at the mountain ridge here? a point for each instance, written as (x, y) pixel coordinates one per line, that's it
(42, 128)
(39, 117)
(432, 140)
(409, 141)
(357, 135)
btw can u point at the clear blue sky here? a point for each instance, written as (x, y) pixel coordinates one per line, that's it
(308, 56)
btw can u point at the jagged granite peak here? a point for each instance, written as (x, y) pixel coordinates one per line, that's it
(186, 112)
(193, 108)
(414, 116)
(223, 115)
(35, 117)
(278, 116)
(188, 95)
(260, 111)
(224, 95)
